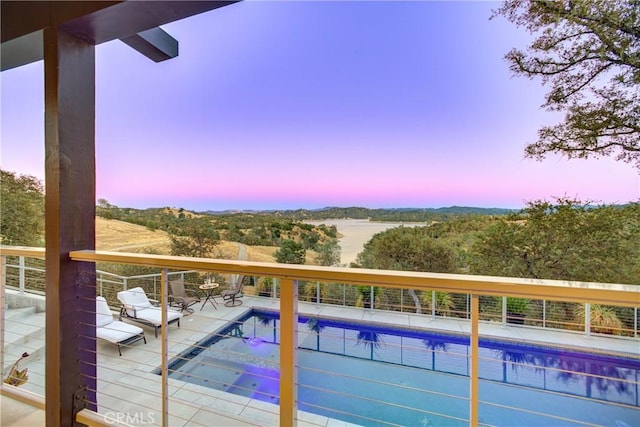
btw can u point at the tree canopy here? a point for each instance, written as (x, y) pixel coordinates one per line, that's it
(290, 252)
(408, 249)
(329, 253)
(197, 238)
(566, 240)
(21, 210)
(588, 52)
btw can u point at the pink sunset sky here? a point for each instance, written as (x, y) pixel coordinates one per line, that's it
(282, 104)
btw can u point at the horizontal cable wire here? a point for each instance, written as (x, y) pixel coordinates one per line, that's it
(537, 413)
(370, 400)
(358, 416)
(372, 381)
(566, 325)
(102, 393)
(552, 370)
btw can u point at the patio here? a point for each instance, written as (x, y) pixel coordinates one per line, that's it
(129, 392)
(65, 34)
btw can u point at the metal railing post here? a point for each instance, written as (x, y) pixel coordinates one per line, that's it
(475, 364)
(21, 274)
(433, 305)
(164, 302)
(635, 322)
(544, 313)
(3, 284)
(587, 319)
(504, 311)
(344, 294)
(288, 352)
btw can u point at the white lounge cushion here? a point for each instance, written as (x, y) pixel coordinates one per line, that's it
(103, 312)
(118, 331)
(138, 306)
(153, 315)
(134, 299)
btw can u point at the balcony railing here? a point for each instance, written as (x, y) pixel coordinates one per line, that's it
(491, 293)
(24, 274)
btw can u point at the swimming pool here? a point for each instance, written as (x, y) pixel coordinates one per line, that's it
(373, 375)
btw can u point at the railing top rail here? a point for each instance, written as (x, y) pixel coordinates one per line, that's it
(22, 251)
(589, 292)
(141, 276)
(600, 293)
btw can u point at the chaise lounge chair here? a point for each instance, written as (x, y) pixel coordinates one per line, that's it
(181, 297)
(230, 296)
(137, 307)
(115, 331)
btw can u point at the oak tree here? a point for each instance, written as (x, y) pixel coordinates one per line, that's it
(195, 238)
(588, 53)
(329, 253)
(565, 240)
(290, 252)
(21, 210)
(408, 249)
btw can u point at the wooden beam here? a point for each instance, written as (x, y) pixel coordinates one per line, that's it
(21, 51)
(69, 69)
(19, 18)
(95, 22)
(132, 17)
(155, 44)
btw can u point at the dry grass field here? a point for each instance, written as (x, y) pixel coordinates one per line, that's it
(120, 236)
(114, 235)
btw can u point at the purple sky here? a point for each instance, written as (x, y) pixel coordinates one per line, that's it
(312, 104)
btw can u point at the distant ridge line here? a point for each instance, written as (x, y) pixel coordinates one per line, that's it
(356, 212)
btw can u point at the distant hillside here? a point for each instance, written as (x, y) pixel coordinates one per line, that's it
(394, 215)
(121, 236)
(249, 229)
(114, 235)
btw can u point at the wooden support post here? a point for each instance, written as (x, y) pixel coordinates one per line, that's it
(70, 198)
(3, 287)
(164, 333)
(288, 353)
(475, 362)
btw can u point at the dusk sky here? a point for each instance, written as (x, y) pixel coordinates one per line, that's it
(282, 104)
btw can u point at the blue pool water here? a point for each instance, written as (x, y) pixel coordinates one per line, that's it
(376, 376)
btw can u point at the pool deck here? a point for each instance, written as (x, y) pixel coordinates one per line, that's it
(127, 383)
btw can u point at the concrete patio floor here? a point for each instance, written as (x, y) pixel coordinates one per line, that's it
(126, 384)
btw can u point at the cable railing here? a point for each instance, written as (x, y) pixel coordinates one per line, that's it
(220, 365)
(542, 313)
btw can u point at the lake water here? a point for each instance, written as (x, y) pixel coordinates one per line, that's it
(356, 232)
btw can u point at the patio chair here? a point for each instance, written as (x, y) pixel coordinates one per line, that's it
(138, 308)
(230, 296)
(182, 297)
(115, 331)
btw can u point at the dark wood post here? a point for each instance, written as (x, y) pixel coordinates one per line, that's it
(69, 73)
